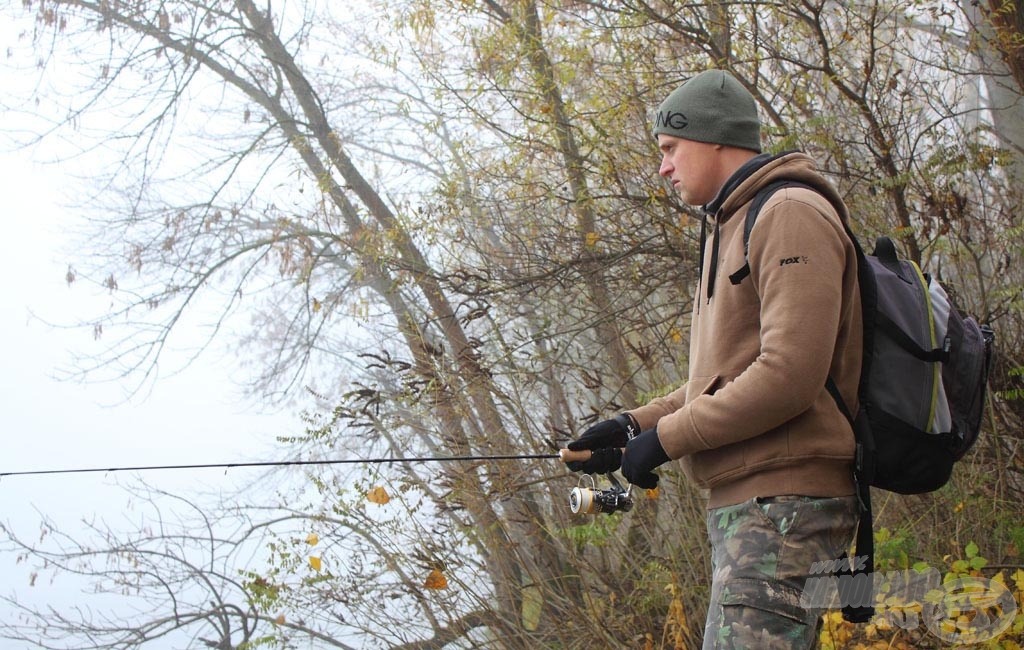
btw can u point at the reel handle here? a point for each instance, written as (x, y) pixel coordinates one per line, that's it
(569, 456)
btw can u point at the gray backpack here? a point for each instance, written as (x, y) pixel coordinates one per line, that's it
(924, 376)
(922, 385)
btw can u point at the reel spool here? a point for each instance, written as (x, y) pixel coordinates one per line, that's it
(581, 499)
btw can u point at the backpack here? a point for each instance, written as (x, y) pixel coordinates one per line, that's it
(921, 394)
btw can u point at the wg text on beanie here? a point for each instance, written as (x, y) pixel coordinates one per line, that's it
(711, 107)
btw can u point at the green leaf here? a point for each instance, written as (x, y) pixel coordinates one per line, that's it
(971, 549)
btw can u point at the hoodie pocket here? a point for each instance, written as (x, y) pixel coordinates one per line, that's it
(707, 386)
(696, 466)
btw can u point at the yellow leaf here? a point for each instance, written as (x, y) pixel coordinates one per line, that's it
(312, 540)
(279, 620)
(316, 305)
(652, 493)
(592, 239)
(435, 580)
(1018, 579)
(675, 335)
(533, 603)
(378, 495)
(314, 562)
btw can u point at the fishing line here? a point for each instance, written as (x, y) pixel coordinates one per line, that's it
(284, 463)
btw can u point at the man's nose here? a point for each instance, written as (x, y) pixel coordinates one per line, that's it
(666, 168)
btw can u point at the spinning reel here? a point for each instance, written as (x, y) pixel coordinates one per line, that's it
(588, 499)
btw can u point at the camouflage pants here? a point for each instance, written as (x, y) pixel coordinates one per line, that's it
(762, 553)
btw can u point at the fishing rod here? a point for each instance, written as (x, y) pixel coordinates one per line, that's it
(582, 499)
(281, 463)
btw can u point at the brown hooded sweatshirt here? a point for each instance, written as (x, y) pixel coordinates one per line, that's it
(754, 418)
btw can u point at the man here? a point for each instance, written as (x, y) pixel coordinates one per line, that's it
(754, 425)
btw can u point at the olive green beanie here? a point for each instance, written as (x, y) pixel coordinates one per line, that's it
(711, 107)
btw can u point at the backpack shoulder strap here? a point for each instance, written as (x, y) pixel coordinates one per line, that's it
(756, 204)
(857, 592)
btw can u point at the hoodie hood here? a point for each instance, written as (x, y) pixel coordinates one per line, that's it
(741, 188)
(764, 169)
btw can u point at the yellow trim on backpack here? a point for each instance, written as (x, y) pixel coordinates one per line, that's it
(933, 343)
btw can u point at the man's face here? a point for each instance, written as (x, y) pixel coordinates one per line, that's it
(691, 166)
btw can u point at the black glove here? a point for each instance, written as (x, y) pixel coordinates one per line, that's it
(607, 433)
(606, 439)
(601, 461)
(643, 454)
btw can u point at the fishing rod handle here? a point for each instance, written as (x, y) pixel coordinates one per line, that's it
(569, 456)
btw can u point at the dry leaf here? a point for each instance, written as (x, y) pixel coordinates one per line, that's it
(533, 604)
(279, 620)
(314, 562)
(435, 580)
(312, 540)
(653, 493)
(378, 495)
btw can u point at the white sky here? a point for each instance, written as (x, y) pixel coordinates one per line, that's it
(197, 416)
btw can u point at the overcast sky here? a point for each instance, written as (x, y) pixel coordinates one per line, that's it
(197, 416)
